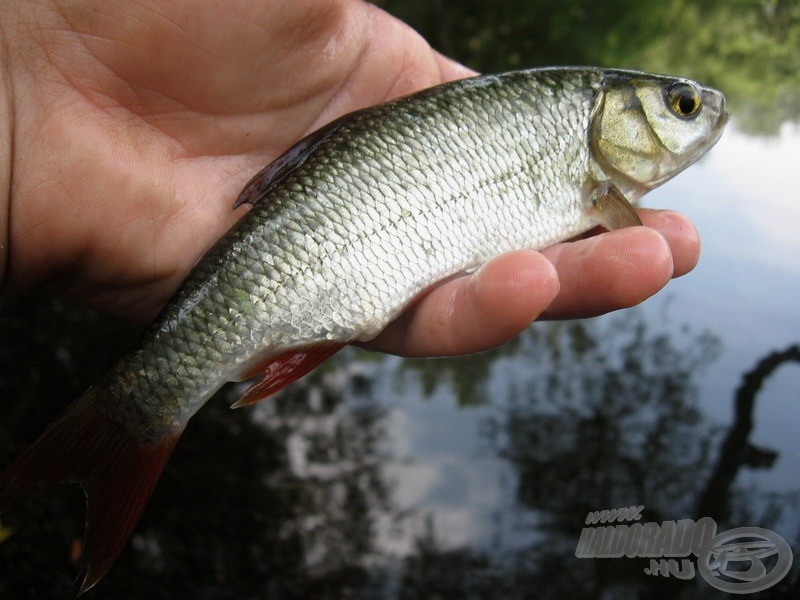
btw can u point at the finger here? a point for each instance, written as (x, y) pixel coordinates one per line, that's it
(681, 235)
(618, 269)
(451, 70)
(476, 312)
(677, 229)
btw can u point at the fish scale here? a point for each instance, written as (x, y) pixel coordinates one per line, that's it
(346, 229)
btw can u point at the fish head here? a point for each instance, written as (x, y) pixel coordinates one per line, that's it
(646, 129)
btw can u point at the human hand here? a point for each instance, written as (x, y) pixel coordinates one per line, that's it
(133, 125)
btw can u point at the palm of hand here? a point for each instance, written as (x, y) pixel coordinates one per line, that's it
(143, 121)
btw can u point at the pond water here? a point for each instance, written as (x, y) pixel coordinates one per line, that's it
(378, 477)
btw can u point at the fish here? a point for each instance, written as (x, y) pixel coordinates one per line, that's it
(344, 231)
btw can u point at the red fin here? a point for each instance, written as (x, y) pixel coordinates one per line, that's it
(115, 468)
(280, 371)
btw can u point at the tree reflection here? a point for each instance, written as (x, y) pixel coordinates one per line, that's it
(606, 415)
(600, 412)
(736, 451)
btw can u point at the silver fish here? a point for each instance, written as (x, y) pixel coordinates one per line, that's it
(345, 230)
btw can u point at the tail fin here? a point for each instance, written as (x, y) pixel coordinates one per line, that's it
(117, 470)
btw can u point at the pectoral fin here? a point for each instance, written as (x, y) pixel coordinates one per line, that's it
(611, 209)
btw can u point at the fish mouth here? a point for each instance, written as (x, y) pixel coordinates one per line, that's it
(715, 100)
(719, 127)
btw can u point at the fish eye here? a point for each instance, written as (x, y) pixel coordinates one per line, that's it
(683, 100)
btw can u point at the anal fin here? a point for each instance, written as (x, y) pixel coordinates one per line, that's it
(279, 371)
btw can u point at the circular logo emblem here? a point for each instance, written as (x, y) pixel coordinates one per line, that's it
(745, 560)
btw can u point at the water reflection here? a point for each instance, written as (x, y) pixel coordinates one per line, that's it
(737, 451)
(304, 496)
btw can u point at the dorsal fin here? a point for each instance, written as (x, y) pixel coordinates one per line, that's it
(275, 172)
